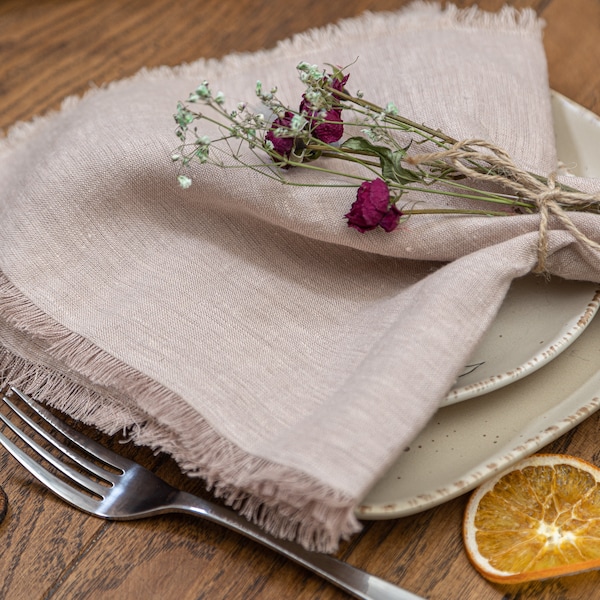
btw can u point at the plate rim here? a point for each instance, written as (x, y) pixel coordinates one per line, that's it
(546, 354)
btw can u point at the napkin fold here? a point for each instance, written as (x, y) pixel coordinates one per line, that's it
(240, 325)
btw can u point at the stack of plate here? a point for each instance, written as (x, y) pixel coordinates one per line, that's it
(505, 406)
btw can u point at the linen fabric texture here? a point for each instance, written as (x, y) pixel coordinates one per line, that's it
(240, 325)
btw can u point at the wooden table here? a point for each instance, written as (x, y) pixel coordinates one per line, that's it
(50, 49)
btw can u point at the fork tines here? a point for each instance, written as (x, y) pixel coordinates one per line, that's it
(64, 456)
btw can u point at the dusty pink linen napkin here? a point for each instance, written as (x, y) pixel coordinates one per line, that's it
(240, 325)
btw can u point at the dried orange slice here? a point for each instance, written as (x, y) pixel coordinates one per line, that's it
(539, 519)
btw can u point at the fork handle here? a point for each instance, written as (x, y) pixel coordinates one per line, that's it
(356, 582)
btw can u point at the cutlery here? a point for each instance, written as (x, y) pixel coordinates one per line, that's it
(120, 489)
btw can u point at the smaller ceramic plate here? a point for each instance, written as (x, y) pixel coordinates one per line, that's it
(537, 321)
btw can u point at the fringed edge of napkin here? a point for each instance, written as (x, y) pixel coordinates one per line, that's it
(72, 375)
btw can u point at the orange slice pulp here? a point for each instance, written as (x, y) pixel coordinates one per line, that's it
(539, 519)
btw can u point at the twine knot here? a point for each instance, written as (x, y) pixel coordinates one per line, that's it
(483, 161)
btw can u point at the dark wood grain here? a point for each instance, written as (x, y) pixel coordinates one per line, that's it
(3, 504)
(50, 49)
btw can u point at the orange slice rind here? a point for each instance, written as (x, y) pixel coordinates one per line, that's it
(537, 520)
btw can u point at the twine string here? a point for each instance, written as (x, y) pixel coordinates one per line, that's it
(468, 158)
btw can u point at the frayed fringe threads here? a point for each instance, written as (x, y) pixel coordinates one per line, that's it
(66, 371)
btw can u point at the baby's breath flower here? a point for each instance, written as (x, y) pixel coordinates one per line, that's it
(184, 181)
(202, 91)
(298, 123)
(220, 98)
(391, 109)
(202, 155)
(371, 134)
(316, 98)
(309, 72)
(266, 97)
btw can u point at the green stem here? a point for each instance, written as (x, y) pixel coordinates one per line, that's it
(482, 197)
(345, 155)
(454, 211)
(323, 170)
(396, 118)
(488, 196)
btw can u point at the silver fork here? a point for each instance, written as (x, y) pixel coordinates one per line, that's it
(129, 491)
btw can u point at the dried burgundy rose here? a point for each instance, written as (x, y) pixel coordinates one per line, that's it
(332, 129)
(372, 208)
(339, 84)
(282, 145)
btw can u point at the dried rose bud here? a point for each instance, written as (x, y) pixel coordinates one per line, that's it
(372, 208)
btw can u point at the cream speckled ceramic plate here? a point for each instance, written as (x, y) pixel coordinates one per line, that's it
(467, 442)
(537, 321)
